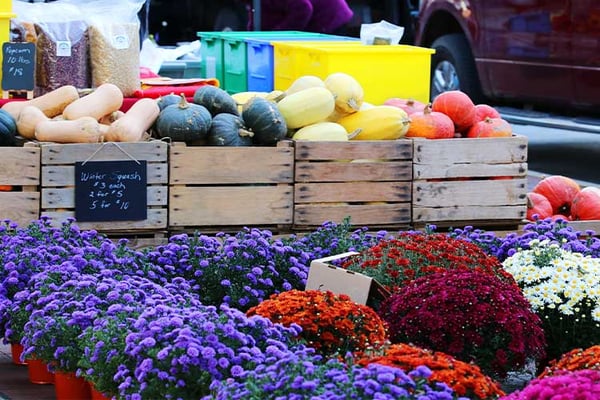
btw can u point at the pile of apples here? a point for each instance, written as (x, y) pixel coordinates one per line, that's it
(452, 114)
(560, 197)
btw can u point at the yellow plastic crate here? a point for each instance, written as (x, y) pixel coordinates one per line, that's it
(5, 6)
(5, 18)
(383, 71)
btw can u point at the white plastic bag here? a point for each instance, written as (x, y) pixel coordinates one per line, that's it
(381, 32)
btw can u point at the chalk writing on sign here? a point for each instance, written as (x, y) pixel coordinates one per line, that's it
(110, 191)
(18, 66)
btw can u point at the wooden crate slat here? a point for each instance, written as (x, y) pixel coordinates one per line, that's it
(156, 219)
(361, 214)
(64, 175)
(433, 171)
(460, 150)
(352, 192)
(153, 151)
(451, 194)
(20, 166)
(230, 205)
(231, 165)
(65, 197)
(401, 149)
(491, 214)
(336, 171)
(20, 207)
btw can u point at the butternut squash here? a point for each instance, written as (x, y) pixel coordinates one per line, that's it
(132, 126)
(347, 91)
(81, 130)
(52, 103)
(306, 107)
(105, 99)
(377, 123)
(112, 117)
(28, 119)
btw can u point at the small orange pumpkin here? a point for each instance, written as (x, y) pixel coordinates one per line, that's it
(430, 125)
(538, 205)
(483, 111)
(458, 106)
(586, 204)
(490, 127)
(560, 191)
(410, 106)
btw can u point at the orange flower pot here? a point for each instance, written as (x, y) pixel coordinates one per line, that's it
(16, 349)
(97, 395)
(38, 373)
(68, 386)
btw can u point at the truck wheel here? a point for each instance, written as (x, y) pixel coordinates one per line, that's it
(453, 67)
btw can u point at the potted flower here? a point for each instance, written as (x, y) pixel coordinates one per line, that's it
(556, 231)
(574, 360)
(473, 316)
(564, 385)
(563, 288)
(399, 260)
(304, 375)
(466, 379)
(177, 351)
(331, 323)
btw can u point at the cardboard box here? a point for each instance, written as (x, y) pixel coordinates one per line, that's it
(361, 288)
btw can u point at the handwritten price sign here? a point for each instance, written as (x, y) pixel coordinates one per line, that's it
(18, 66)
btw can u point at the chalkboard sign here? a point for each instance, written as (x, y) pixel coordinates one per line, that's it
(18, 66)
(110, 191)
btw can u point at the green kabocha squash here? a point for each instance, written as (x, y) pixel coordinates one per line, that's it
(167, 100)
(183, 122)
(8, 129)
(228, 130)
(216, 100)
(263, 118)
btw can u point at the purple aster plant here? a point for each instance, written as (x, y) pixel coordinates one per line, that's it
(67, 302)
(301, 374)
(556, 231)
(177, 352)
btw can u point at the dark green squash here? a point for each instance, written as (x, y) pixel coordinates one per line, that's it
(8, 129)
(263, 118)
(228, 130)
(216, 100)
(167, 100)
(183, 122)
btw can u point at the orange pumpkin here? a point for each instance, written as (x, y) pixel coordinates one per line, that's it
(538, 205)
(560, 191)
(490, 127)
(483, 111)
(410, 106)
(430, 125)
(586, 204)
(6, 188)
(458, 106)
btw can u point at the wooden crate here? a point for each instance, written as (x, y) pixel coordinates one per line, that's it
(470, 181)
(226, 188)
(58, 181)
(21, 170)
(368, 181)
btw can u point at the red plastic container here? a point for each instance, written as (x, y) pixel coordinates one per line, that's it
(68, 386)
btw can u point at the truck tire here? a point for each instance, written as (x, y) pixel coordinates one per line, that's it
(453, 67)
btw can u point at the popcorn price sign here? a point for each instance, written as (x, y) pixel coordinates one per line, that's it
(18, 66)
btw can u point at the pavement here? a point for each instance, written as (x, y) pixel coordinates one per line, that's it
(14, 381)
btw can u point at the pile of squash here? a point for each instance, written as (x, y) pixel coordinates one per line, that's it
(65, 116)
(214, 118)
(333, 109)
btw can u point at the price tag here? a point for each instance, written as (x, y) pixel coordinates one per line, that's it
(18, 66)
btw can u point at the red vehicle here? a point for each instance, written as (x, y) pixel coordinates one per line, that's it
(539, 52)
